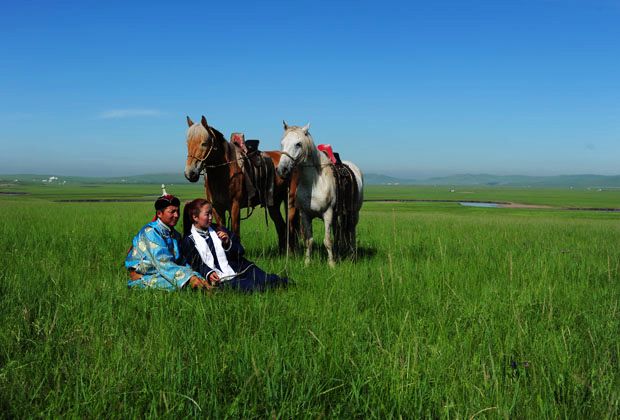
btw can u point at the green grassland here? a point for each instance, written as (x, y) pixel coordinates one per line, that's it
(447, 312)
(556, 197)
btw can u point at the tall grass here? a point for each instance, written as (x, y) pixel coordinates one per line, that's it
(447, 312)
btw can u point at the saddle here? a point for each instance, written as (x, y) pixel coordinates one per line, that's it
(258, 171)
(346, 186)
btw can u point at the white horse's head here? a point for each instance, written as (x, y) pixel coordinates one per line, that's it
(201, 143)
(297, 146)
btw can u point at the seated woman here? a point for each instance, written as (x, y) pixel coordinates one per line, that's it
(217, 254)
(155, 260)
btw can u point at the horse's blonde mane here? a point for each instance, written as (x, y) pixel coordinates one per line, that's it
(196, 131)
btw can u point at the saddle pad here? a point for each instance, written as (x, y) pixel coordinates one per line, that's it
(327, 149)
(239, 140)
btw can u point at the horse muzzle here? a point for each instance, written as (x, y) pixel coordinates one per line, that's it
(283, 171)
(192, 175)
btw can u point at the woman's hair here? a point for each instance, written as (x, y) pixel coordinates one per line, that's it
(191, 209)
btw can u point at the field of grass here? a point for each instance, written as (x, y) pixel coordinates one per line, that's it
(447, 312)
(556, 197)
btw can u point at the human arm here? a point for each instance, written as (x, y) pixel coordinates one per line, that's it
(193, 258)
(231, 243)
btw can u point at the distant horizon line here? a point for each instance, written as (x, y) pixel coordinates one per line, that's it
(401, 177)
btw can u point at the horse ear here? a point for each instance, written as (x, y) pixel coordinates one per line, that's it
(285, 125)
(203, 121)
(305, 128)
(189, 122)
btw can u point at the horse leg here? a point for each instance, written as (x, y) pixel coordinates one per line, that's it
(293, 228)
(219, 214)
(235, 215)
(306, 224)
(328, 217)
(276, 216)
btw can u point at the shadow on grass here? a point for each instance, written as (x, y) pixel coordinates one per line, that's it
(318, 250)
(366, 253)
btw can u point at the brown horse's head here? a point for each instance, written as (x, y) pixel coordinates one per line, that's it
(202, 145)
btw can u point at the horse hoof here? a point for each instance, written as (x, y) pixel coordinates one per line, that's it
(307, 262)
(332, 264)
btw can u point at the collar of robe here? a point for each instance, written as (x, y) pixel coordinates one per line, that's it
(166, 230)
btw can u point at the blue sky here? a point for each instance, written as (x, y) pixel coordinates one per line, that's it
(402, 88)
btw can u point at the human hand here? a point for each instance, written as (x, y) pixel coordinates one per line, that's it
(198, 283)
(214, 278)
(223, 237)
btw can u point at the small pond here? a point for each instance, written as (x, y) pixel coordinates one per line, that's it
(475, 204)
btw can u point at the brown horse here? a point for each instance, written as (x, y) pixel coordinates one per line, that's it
(221, 162)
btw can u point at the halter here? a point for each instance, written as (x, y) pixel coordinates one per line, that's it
(295, 160)
(211, 135)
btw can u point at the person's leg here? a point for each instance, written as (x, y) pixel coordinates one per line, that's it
(255, 279)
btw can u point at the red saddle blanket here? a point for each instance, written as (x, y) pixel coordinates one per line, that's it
(327, 149)
(239, 140)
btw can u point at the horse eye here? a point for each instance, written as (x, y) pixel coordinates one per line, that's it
(298, 145)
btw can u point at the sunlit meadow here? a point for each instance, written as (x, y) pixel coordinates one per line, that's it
(447, 312)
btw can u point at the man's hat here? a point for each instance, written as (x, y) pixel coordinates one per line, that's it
(166, 200)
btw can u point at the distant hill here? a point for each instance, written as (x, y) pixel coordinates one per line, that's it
(560, 181)
(378, 179)
(577, 181)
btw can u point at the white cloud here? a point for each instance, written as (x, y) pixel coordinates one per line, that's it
(129, 113)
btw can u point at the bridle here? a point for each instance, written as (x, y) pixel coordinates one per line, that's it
(295, 160)
(211, 148)
(302, 157)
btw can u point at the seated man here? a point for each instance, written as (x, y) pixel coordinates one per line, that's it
(218, 255)
(154, 260)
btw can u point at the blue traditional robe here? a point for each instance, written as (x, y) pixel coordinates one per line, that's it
(155, 255)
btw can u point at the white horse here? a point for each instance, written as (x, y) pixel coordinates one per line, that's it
(317, 190)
